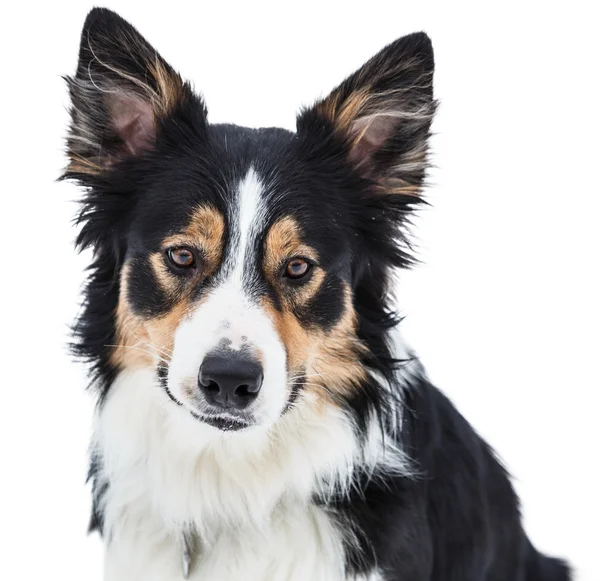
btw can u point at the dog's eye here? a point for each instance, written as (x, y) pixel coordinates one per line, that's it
(297, 268)
(181, 258)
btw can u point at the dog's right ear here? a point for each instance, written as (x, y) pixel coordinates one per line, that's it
(121, 94)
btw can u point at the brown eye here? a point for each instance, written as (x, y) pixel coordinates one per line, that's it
(297, 268)
(181, 258)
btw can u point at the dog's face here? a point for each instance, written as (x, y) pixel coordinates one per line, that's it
(248, 268)
(238, 278)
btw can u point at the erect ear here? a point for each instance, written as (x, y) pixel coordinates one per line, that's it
(120, 93)
(383, 113)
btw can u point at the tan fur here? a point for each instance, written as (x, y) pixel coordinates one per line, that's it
(335, 359)
(139, 339)
(328, 358)
(161, 330)
(163, 95)
(366, 116)
(205, 230)
(282, 243)
(131, 349)
(170, 88)
(169, 85)
(342, 113)
(168, 283)
(82, 165)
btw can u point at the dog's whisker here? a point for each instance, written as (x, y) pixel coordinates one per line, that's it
(142, 350)
(165, 352)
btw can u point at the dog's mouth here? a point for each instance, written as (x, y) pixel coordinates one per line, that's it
(224, 423)
(229, 422)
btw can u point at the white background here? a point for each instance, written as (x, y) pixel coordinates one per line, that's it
(504, 310)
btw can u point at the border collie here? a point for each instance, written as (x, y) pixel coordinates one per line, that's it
(259, 417)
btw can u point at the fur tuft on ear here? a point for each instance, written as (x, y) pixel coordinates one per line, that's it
(121, 91)
(383, 113)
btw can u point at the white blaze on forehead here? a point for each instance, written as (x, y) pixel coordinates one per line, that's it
(247, 224)
(229, 314)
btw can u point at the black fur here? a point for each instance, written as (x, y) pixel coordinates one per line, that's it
(458, 518)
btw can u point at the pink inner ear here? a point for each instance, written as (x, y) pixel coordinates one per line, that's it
(133, 120)
(370, 134)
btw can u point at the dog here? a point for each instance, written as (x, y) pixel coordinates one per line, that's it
(259, 416)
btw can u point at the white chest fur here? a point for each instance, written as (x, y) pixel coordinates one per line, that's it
(297, 545)
(248, 497)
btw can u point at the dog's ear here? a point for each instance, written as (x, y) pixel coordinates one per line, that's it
(383, 113)
(121, 93)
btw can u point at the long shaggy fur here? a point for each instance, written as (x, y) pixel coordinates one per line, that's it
(349, 465)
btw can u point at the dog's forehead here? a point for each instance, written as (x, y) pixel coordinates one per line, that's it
(252, 177)
(263, 172)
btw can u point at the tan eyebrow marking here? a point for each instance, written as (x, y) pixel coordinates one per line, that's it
(206, 230)
(283, 242)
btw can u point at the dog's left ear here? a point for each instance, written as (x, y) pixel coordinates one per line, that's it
(383, 113)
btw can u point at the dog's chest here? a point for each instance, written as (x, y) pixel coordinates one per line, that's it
(248, 501)
(296, 544)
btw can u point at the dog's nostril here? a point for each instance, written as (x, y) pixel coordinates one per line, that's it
(248, 390)
(212, 386)
(242, 391)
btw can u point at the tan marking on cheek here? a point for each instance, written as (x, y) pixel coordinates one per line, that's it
(161, 330)
(296, 339)
(140, 342)
(138, 339)
(336, 357)
(330, 359)
(130, 350)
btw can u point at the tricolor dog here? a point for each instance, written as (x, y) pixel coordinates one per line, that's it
(259, 417)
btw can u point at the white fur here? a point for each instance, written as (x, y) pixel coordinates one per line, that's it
(229, 314)
(247, 496)
(249, 219)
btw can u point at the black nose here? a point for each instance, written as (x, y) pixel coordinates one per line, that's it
(230, 381)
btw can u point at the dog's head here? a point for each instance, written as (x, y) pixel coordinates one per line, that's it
(247, 267)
